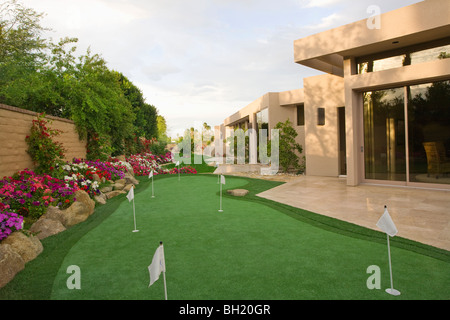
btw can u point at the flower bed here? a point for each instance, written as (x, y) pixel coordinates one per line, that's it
(26, 195)
(110, 170)
(144, 163)
(9, 221)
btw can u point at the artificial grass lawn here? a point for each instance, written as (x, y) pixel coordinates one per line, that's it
(255, 249)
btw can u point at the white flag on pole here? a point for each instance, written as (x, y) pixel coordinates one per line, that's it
(178, 163)
(130, 195)
(222, 179)
(158, 265)
(150, 175)
(386, 224)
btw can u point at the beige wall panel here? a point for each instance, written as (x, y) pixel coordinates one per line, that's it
(15, 125)
(322, 141)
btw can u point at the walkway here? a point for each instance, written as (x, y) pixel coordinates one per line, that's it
(422, 215)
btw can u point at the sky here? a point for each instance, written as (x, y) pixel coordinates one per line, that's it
(201, 60)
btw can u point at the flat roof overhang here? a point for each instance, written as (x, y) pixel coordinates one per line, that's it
(235, 122)
(418, 23)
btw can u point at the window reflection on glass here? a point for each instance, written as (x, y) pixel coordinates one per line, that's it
(430, 54)
(388, 63)
(262, 119)
(384, 135)
(428, 139)
(409, 57)
(429, 132)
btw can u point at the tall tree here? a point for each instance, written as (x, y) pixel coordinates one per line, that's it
(146, 114)
(42, 76)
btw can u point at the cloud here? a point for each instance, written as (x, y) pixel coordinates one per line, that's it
(200, 60)
(319, 3)
(157, 71)
(326, 22)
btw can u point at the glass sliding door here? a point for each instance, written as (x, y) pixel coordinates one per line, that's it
(423, 154)
(429, 132)
(384, 135)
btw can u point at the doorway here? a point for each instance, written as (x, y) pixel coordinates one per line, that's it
(342, 142)
(401, 128)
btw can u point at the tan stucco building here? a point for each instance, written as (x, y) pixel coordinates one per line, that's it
(380, 113)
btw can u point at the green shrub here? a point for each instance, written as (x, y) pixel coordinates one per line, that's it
(288, 147)
(44, 152)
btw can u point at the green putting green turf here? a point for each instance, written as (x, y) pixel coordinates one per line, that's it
(254, 249)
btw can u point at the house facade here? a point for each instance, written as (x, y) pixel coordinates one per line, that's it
(380, 113)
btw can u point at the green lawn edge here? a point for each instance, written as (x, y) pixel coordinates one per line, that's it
(256, 186)
(33, 283)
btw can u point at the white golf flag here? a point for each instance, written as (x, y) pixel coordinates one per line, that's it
(222, 179)
(177, 164)
(130, 195)
(150, 174)
(158, 265)
(386, 224)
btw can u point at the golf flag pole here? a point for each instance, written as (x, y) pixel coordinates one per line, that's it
(130, 197)
(178, 165)
(222, 181)
(386, 224)
(218, 175)
(151, 176)
(157, 266)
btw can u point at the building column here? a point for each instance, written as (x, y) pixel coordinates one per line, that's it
(353, 108)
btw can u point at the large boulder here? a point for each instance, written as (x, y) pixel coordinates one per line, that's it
(84, 198)
(54, 213)
(44, 228)
(80, 210)
(101, 198)
(76, 213)
(106, 189)
(10, 263)
(128, 187)
(118, 185)
(130, 179)
(28, 247)
(114, 193)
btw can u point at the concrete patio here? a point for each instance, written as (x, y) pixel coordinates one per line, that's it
(422, 215)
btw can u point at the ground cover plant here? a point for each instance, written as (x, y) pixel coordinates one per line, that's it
(255, 249)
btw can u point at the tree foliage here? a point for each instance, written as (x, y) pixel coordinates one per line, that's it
(288, 147)
(42, 76)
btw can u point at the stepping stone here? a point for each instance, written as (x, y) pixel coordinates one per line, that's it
(238, 192)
